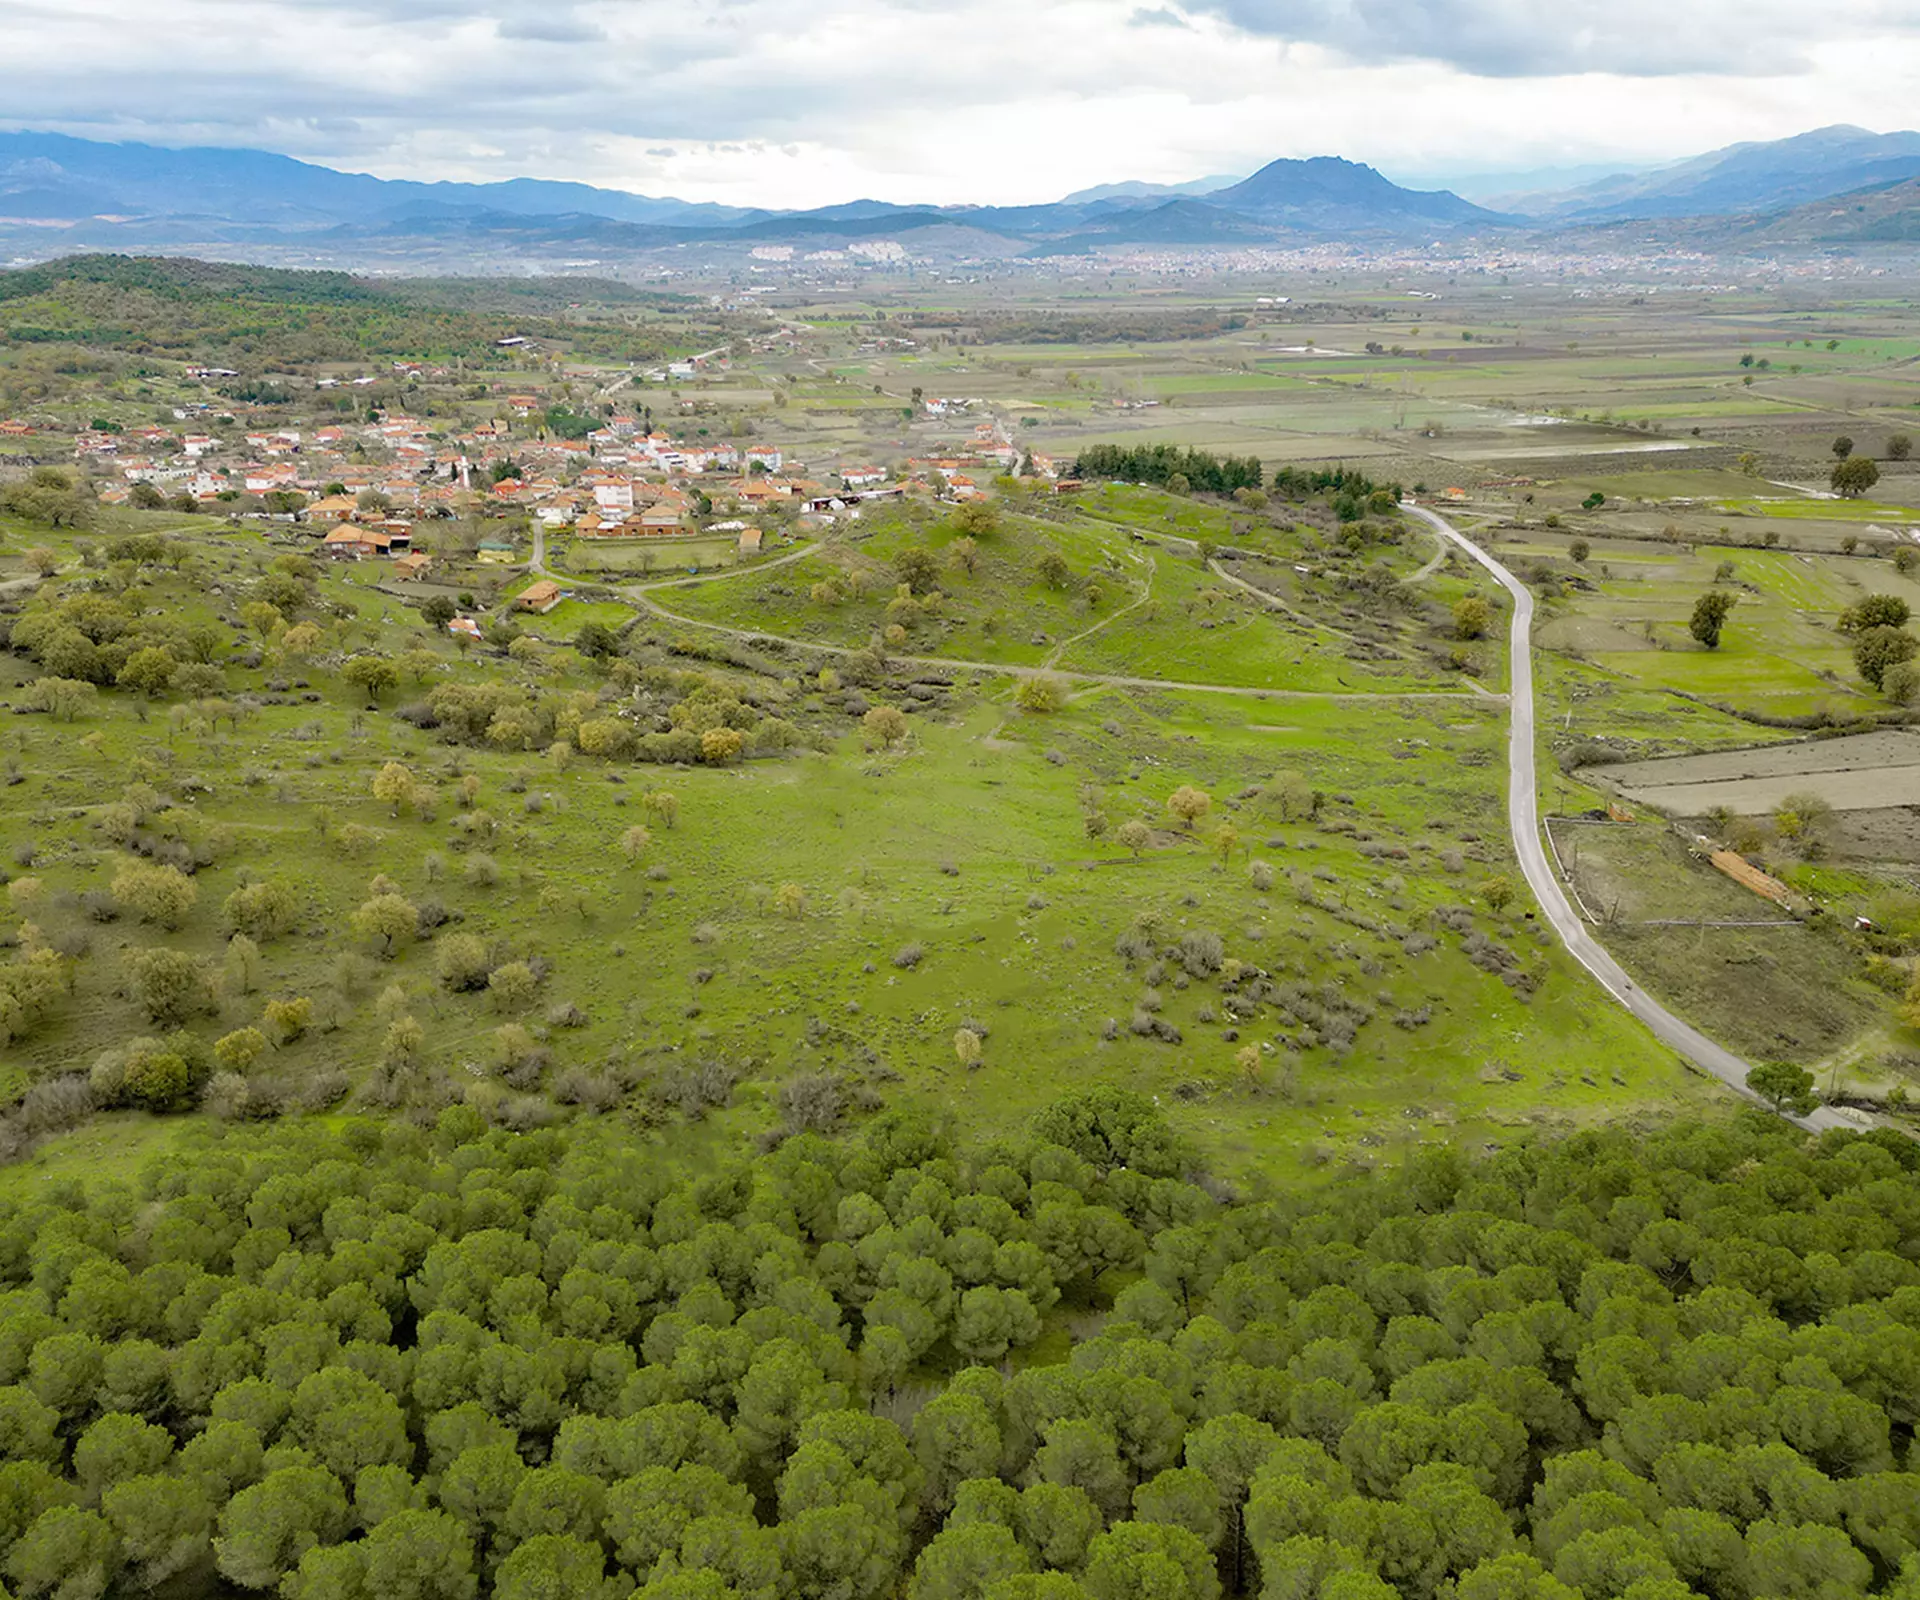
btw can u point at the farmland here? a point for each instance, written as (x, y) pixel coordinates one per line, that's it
(1863, 772)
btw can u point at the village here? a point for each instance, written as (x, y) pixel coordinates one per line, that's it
(362, 488)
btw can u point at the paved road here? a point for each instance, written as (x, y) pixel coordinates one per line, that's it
(1523, 818)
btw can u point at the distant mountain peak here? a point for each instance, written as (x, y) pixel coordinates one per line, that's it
(1333, 191)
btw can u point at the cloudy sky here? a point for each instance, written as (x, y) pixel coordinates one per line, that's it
(795, 103)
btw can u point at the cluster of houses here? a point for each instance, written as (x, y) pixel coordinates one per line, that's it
(362, 487)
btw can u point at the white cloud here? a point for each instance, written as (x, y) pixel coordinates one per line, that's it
(787, 103)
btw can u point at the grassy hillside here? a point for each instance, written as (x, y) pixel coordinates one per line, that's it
(1337, 968)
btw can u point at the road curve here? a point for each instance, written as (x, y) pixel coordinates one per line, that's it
(1523, 820)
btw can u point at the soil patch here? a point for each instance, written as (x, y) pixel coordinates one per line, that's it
(1862, 772)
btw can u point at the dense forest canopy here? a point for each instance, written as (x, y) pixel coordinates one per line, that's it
(393, 1361)
(1161, 464)
(217, 310)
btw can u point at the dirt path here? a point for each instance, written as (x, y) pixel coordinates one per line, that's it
(639, 591)
(642, 595)
(1145, 594)
(1274, 603)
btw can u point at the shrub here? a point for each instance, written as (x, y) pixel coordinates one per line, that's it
(172, 984)
(1040, 695)
(512, 984)
(263, 911)
(814, 1102)
(1201, 951)
(237, 1051)
(461, 962)
(287, 1020)
(157, 894)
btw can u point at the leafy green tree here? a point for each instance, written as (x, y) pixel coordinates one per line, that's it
(1472, 616)
(1854, 476)
(991, 1320)
(263, 910)
(961, 1562)
(173, 986)
(1784, 1086)
(267, 1527)
(1877, 650)
(148, 671)
(554, 1567)
(1182, 1497)
(596, 641)
(68, 1553)
(955, 1437)
(553, 1500)
(648, 1514)
(1081, 1453)
(1875, 611)
(1709, 617)
(372, 675)
(117, 1447)
(918, 568)
(388, 921)
(64, 1374)
(164, 1524)
(161, 895)
(349, 1421)
(420, 1555)
(838, 1552)
(1150, 1561)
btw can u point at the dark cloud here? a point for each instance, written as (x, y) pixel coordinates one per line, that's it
(1542, 38)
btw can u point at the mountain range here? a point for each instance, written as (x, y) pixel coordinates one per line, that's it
(58, 193)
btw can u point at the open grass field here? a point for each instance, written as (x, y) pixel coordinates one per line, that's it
(640, 557)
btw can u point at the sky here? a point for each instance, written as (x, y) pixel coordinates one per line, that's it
(794, 103)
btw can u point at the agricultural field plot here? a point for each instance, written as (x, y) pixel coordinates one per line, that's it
(1771, 994)
(1193, 628)
(1587, 709)
(640, 556)
(1770, 986)
(1779, 652)
(1859, 772)
(1645, 871)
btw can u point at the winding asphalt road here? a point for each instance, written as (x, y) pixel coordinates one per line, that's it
(1523, 819)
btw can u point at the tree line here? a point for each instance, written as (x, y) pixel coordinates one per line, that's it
(394, 1360)
(1159, 464)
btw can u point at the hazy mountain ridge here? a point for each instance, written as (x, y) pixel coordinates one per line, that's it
(133, 197)
(100, 194)
(1741, 178)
